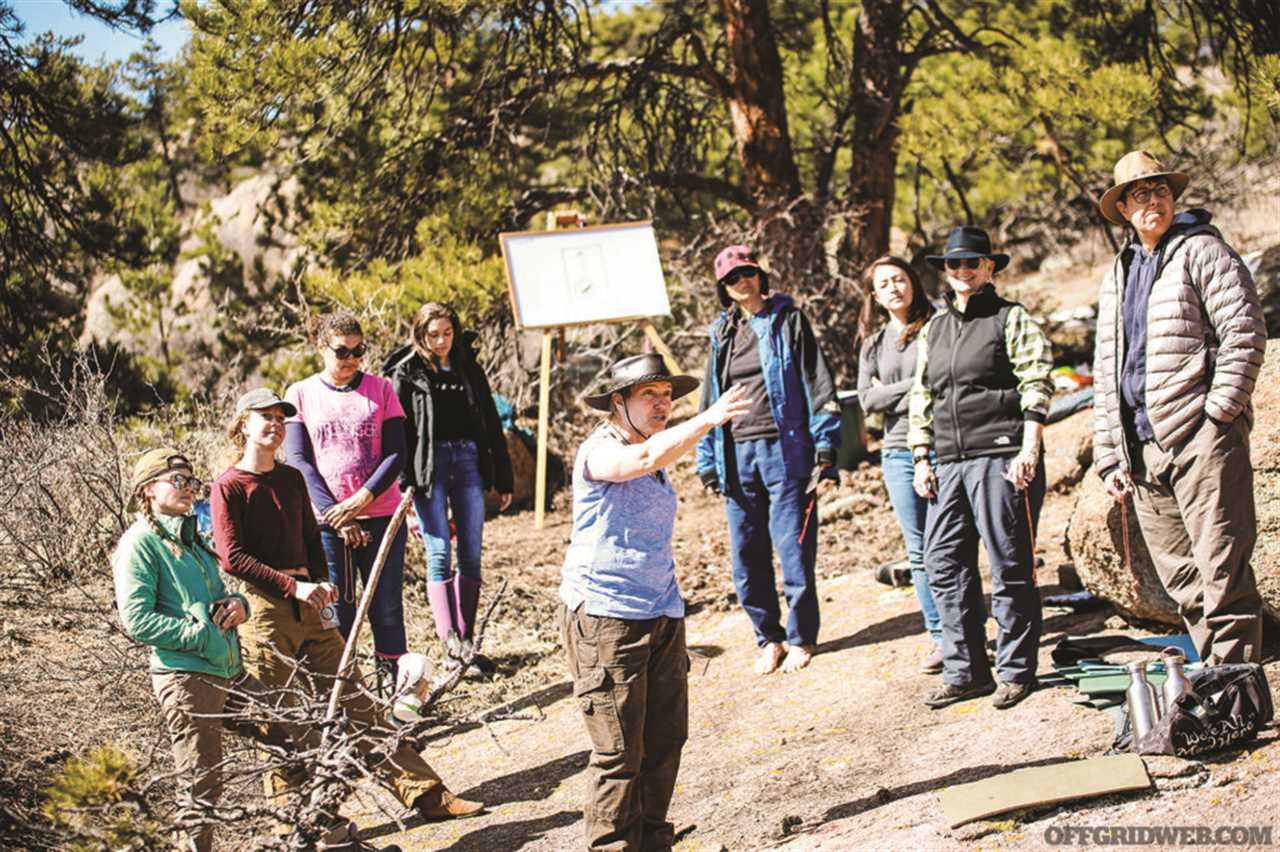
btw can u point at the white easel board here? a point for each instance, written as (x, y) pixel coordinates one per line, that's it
(605, 273)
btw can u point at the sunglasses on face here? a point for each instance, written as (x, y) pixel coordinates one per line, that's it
(182, 480)
(344, 353)
(964, 262)
(736, 275)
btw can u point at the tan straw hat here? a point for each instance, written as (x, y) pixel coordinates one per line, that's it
(1136, 166)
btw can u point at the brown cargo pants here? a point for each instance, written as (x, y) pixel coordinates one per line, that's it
(195, 709)
(281, 633)
(631, 681)
(1196, 510)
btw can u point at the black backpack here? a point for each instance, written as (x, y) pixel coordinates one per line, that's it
(1226, 705)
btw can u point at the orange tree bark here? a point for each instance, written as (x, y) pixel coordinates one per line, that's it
(785, 216)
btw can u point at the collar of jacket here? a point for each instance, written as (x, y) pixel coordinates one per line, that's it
(775, 304)
(979, 304)
(1186, 224)
(177, 528)
(406, 364)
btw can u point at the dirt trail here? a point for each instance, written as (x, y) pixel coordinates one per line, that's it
(842, 754)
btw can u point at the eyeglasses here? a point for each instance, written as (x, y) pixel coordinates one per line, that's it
(182, 480)
(734, 276)
(966, 262)
(1142, 196)
(344, 353)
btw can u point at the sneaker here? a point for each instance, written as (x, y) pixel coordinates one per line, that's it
(1009, 694)
(932, 664)
(445, 805)
(949, 693)
(896, 574)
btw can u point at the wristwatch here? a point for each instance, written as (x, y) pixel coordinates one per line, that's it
(919, 455)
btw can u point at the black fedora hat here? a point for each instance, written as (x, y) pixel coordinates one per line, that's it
(637, 370)
(965, 242)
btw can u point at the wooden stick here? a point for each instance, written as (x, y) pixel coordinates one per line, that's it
(544, 403)
(366, 600)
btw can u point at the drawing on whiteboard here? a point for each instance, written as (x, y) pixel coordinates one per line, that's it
(584, 270)
(601, 273)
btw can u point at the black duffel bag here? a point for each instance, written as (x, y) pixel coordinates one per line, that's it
(1226, 705)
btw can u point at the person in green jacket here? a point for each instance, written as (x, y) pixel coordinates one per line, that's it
(171, 598)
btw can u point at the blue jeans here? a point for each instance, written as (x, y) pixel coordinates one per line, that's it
(386, 612)
(910, 508)
(766, 512)
(456, 484)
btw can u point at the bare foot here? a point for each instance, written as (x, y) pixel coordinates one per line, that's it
(798, 656)
(770, 656)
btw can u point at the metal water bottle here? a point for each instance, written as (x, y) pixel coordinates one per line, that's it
(1141, 698)
(1175, 680)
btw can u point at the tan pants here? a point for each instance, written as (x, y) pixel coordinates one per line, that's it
(631, 679)
(282, 632)
(1195, 506)
(196, 708)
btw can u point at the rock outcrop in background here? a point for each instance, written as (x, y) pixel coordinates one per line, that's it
(1096, 535)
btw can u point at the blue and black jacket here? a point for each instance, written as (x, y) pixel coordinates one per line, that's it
(797, 378)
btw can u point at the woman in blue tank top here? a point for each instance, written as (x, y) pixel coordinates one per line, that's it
(622, 616)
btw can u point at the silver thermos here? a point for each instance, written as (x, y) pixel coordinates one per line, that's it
(1175, 680)
(1141, 698)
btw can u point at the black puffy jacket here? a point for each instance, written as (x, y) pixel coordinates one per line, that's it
(410, 378)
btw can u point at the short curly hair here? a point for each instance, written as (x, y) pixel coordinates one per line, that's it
(339, 322)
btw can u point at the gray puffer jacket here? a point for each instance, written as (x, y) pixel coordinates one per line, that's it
(1205, 342)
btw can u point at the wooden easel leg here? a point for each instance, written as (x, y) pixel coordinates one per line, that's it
(544, 403)
(660, 347)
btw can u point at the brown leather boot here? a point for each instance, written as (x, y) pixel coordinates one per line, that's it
(445, 805)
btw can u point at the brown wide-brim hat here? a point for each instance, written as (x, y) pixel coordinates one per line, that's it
(1135, 166)
(639, 370)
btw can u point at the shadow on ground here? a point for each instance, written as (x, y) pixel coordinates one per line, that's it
(898, 627)
(522, 785)
(513, 835)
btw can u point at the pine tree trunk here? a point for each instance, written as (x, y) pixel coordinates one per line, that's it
(790, 226)
(879, 78)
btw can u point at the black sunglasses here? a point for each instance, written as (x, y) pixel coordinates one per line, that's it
(344, 353)
(966, 262)
(182, 480)
(733, 277)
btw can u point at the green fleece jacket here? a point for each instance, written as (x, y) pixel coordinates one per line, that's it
(164, 586)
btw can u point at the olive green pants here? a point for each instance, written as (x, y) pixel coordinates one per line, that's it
(285, 641)
(631, 680)
(196, 708)
(1196, 510)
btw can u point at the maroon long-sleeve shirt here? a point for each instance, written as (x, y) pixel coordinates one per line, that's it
(262, 524)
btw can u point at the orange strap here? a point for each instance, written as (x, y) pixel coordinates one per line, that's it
(804, 528)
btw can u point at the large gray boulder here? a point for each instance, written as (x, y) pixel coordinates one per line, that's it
(1097, 543)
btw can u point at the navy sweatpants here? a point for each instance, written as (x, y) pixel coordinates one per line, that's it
(975, 501)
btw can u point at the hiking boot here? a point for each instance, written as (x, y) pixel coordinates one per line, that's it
(445, 805)
(1009, 694)
(932, 664)
(949, 693)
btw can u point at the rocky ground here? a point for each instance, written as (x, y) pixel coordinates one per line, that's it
(840, 755)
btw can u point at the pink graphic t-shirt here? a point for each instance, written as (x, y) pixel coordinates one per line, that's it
(345, 427)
